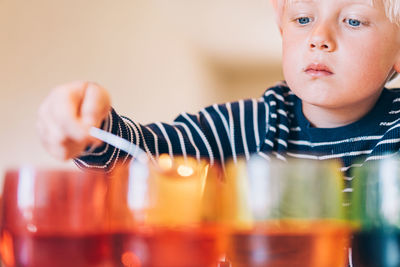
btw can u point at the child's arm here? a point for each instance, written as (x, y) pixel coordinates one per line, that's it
(217, 133)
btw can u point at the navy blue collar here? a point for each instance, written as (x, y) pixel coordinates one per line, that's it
(367, 125)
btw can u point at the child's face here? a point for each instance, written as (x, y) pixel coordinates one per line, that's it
(338, 53)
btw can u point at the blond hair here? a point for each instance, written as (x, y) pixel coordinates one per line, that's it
(392, 9)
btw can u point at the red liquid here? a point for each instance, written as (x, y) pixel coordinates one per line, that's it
(151, 248)
(29, 250)
(314, 245)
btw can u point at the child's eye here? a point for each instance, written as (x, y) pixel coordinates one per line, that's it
(353, 22)
(303, 20)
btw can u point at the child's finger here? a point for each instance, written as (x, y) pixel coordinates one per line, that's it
(60, 144)
(62, 117)
(95, 105)
(53, 139)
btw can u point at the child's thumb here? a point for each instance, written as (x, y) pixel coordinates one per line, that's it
(95, 105)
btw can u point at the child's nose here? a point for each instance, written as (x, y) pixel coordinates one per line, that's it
(320, 45)
(322, 39)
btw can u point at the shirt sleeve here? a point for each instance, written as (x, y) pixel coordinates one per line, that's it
(217, 133)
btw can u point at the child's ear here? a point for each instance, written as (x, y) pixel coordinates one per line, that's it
(278, 6)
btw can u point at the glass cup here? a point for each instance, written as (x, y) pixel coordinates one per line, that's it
(54, 218)
(284, 214)
(166, 214)
(375, 212)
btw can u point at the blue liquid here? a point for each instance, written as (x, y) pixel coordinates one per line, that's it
(376, 248)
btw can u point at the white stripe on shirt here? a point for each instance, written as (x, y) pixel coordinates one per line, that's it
(231, 132)
(243, 130)
(190, 136)
(166, 137)
(216, 136)
(202, 136)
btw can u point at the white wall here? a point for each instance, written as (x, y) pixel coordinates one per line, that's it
(157, 58)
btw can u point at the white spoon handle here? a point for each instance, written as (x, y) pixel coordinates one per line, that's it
(135, 151)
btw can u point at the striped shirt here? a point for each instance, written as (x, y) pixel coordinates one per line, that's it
(270, 126)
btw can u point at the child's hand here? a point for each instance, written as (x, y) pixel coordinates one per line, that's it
(66, 115)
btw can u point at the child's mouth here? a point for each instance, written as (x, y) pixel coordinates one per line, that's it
(318, 70)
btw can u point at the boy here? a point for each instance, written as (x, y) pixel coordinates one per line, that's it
(337, 57)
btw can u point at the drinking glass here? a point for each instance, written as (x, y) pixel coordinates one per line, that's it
(376, 213)
(166, 215)
(54, 218)
(284, 213)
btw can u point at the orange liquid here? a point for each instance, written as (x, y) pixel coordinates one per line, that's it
(170, 247)
(294, 244)
(146, 248)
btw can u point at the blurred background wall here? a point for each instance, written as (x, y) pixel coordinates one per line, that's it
(157, 58)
